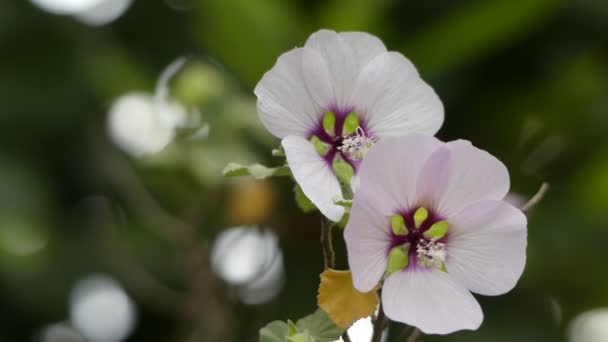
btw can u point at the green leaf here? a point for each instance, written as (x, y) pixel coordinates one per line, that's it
(320, 326)
(257, 171)
(301, 337)
(274, 332)
(303, 202)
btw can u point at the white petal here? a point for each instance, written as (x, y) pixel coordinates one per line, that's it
(367, 238)
(340, 59)
(460, 174)
(487, 247)
(364, 46)
(389, 172)
(314, 176)
(431, 301)
(318, 78)
(284, 104)
(394, 100)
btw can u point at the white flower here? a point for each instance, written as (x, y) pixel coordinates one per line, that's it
(430, 218)
(332, 99)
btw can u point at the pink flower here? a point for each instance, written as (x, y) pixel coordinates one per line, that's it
(332, 100)
(430, 218)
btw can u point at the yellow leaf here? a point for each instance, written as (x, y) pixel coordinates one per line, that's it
(341, 301)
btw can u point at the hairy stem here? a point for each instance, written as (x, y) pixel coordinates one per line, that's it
(327, 244)
(414, 335)
(379, 325)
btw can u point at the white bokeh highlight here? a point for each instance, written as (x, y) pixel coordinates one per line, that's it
(90, 12)
(135, 125)
(101, 309)
(590, 326)
(251, 260)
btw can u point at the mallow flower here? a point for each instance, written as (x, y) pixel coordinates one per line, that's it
(429, 218)
(331, 100)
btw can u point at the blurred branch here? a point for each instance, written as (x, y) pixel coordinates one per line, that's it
(540, 194)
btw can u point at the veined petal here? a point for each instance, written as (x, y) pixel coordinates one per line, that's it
(364, 46)
(430, 300)
(284, 104)
(340, 60)
(389, 173)
(367, 237)
(314, 176)
(394, 100)
(487, 247)
(460, 174)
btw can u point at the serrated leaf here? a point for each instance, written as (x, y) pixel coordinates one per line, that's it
(274, 332)
(341, 301)
(320, 326)
(302, 201)
(257, 171)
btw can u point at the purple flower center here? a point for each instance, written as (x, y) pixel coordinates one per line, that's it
(343, 140)
(425, 234)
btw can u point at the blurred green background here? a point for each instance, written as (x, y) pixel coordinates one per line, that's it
(525, 80)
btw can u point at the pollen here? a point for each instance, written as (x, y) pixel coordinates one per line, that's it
(431, 254)
(356, 146)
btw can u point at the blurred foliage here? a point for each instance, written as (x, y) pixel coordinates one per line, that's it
(526, 80)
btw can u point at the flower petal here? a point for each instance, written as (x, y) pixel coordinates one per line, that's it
(314, 176)
(389, 172)
(460, 174)
(487, 247)
(431, 301)
(394, 100)
(341, 61)
(367, 239)
(364, 46)
(284, 104)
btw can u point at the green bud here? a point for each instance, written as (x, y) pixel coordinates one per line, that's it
(329, 123)
(437, 230)
(398, 225)
(350, 124)
(420, 216)
(321, 147)
(398, 258)
(343, 170)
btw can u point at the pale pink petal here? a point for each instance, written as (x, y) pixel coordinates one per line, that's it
(367, 238)
(364, 46)
(284, 104)
(452, 180)
(317, 77)
(430, 300)
(487, 247)
(394, 100)
(340, 60)
(389, 172)
(314, 176)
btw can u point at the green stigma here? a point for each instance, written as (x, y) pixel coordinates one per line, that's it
(329, 123)
(321, 147)
(420, 216)
(437, 230)
(398, 258)
(398, 225)
(343, 170)
(351, 123)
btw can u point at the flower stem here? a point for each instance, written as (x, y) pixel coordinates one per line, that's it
(414, 336)
(540, 194)
(327, 244)
(379, 325)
